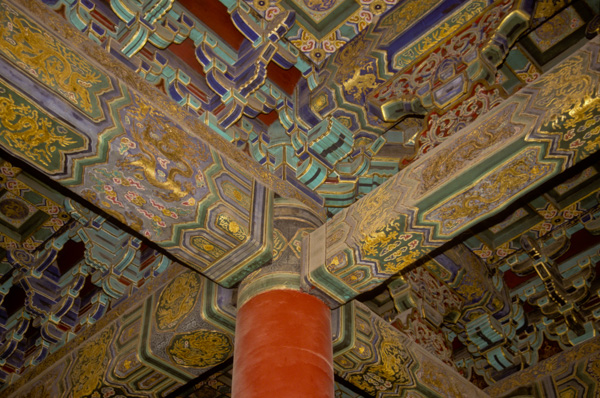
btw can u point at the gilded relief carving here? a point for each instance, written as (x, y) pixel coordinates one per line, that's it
(177, 300)
(164, 146)
(573, 117)
(200, 349)
(30, 132)
(379, 360)
(395, 358)
(279, 243)
(370, 213)
(566, 88)
(357, 72)
(450, 160)
(231, 227)
(52, 63)
(398, 21)
(497, 188)
(88, 371)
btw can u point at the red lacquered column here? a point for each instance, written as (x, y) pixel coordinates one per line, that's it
(283, 347)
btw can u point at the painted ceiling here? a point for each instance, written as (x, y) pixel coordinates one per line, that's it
(147, 150)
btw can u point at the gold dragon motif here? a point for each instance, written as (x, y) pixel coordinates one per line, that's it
(88, 369)
(450, 160)
(494, 189)
(200, 349)
(565, 86)
(393, 367)
(356, 72)
(27, 130)
(373, 212)
(361, 83)
(48, 60)
(156, 138)
(177, 300)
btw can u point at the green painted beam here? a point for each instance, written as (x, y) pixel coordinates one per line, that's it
(535, 135)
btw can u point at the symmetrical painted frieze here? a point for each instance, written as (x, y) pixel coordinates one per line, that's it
(69, 280)
(539, 298)
(543, 130)
(323, 27)
(448, 106)
(336, 101)
(132, 160)
(146, 350)
(382, 361)
(572, 373)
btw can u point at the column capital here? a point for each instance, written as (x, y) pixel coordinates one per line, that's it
(292, 222)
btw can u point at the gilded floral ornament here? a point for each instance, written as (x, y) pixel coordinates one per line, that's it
(377, 7)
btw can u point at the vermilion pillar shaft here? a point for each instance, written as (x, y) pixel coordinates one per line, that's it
(283, 347)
